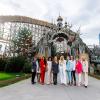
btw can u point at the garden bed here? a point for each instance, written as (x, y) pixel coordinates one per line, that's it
(95, 76)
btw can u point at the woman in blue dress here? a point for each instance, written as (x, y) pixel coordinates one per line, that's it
(68, 69)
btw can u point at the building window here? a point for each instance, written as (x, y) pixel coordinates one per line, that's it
(0, 47)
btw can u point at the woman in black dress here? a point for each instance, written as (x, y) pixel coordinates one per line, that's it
(55, 70)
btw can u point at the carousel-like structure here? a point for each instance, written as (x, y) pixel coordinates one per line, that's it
(61, 40)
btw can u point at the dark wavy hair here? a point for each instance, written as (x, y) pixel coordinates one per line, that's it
(45, 61)
(49, 58)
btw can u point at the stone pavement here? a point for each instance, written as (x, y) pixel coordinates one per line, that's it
(25, 91)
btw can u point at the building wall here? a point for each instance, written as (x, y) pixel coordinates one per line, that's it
(3, 47)
(99, 38)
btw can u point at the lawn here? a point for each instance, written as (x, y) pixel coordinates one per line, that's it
(6, 76)
(10, 78)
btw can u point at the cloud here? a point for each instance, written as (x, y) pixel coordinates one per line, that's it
(84, 13)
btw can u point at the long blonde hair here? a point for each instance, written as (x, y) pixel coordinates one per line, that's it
(84, 56)
(61, 59)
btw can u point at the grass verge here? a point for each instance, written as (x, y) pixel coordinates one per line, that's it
(13, 80)
(6, 76)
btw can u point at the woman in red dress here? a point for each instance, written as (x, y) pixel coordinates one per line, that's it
(42, 70)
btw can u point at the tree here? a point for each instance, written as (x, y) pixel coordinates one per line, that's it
(22, 42)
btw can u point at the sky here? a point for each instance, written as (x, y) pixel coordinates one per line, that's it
(83, 14)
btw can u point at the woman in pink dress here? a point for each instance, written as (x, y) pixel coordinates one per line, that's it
(78, 70)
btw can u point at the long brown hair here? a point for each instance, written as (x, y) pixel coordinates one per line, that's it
(55, 59)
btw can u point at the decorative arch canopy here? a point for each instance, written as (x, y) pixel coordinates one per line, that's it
(60, 35)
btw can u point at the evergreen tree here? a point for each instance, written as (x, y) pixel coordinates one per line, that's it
(22, 41)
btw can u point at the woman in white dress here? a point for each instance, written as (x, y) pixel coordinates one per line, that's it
(49, 73)
(85, 71)
(62, 70)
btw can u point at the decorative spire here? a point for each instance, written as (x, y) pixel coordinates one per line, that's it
(60, 18)
(66, 24)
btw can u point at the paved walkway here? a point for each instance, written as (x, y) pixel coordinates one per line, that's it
(25, 91)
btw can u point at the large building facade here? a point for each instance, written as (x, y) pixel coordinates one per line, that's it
(47, 37)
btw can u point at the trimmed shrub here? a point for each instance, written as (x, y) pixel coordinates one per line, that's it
(27, 67)
(2, 64)
(15, 64)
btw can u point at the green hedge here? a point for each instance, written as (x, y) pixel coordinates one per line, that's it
(27, 67)
(2, 64)
(15, 64)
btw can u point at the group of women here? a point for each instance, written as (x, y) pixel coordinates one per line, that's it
(71, 70)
